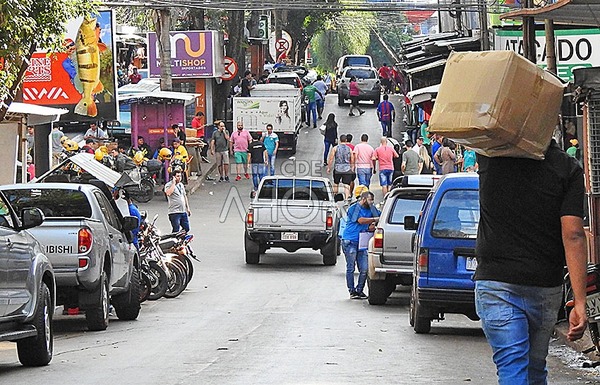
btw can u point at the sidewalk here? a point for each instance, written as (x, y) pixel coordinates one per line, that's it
(195, 182)
(583, 345)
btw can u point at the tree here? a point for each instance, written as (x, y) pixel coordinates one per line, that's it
(162, 26)
(302, 25)
(27, 26)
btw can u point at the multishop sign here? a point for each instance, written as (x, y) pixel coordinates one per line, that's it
(574, 48)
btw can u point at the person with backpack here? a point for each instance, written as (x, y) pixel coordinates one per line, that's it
(386, 115)
(343, 161)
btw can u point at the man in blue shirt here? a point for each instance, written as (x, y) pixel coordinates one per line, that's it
(271, 142)
(362, 218)
(386, 115)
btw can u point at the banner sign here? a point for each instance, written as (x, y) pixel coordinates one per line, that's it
(194, 54)
(82, 79)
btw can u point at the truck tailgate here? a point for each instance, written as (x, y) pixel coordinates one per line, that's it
(297, 217)
(58, 238)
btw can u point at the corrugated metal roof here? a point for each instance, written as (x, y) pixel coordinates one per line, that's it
(426, 66)
(579, 12)
(35, 114)
(162, 95)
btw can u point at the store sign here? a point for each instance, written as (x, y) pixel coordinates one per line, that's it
(577, 48)
(194, 54)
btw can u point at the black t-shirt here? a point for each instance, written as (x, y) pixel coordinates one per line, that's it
(245, 87)
(256, 149)
(519, 239)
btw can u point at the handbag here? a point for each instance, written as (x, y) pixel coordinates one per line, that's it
(322, 129)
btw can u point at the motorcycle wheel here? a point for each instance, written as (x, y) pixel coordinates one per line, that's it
(189, 266)
(146, 192)
(177, 281)
(158, 280)
(145, 286)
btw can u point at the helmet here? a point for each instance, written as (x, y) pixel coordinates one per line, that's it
(138, 158)
(164, 154)
(104, 149)
(71, 145)
(99, 155)
(359, 190)
(63, 139)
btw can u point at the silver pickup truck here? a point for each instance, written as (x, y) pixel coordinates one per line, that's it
(89, 245)
(293, 213)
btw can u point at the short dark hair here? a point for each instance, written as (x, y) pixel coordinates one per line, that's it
(174, 126)
(89, 140)
(408, 143)
(385, 97)
(349, 137)
(343, 138)
(247, 72)
(364, 138)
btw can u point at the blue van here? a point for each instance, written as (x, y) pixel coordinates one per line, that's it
(444, 251)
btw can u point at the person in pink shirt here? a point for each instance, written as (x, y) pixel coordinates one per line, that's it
(364, 161)
(385, 155)
(354, 92)
(238, 144)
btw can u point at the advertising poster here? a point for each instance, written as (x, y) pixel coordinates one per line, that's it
(81, 79)
(194, 54)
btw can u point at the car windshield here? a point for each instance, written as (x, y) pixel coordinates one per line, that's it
(406, 206)
(54, 203)
(457, 215)
(361, 73)
(357, 61)
(287, 80)
(295, 189)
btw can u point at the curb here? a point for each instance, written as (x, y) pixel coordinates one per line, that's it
(197, 183)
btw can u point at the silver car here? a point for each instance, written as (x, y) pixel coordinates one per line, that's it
(27, 286)
(368, 82)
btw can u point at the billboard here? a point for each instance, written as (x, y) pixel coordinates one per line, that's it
(575, 48)
(81, 79)
(194, 54)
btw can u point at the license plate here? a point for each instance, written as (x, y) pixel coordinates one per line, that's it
(592, 308)
(471, 263)
(289, 236)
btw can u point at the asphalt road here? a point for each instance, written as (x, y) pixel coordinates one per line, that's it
(286, 321)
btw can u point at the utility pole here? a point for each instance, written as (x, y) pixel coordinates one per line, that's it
(529, 49)
(483, 25)
(550, 48)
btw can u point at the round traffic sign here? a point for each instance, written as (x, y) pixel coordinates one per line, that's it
(282, 45)
(231, 68)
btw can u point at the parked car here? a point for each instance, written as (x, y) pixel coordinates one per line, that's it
(353, 61)
(390, 249)
(27, 286)
(293, 213)
(444, 251)
(290, 78)
(368, 82)
(89, 245)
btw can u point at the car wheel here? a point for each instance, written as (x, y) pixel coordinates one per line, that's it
(330, 251)
(252, 258)
(127, 305)
(377, 292)
(420, 324)
(97, 317)
(340, 99)
(37, 351)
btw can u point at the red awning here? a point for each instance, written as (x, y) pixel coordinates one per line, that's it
(417, 17)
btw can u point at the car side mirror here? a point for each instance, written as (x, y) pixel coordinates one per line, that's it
(410, 223)
(31, 217)
(130, 223)
(338, 197)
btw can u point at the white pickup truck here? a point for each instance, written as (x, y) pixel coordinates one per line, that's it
(89, 245)
(276, 104)
(293, 213)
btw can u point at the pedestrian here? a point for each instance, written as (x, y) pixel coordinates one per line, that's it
(89, 147)
(331, 135)
(238, 146)
(179, 132)
(246, 84)
(574, 150)
(385, 76)
(310, 93)
(354, 92)
(179, 208)
(219, 148)
(364, 161)
(56, 136)
(134, 211)
(469, 163)
(144, 147)
(423, 152)
(95, 132)
(362, 218)
(199, 125)
(412, 164)
(343, 160)
(349, 143)
(446, 157)
(349, 138)
(385, 155)
(520, 269)
(258, 158)
(435, 146)
(30, 167)
(426, 135)
(386, 115)
(320, 97)
(271, 142)
(30, 137)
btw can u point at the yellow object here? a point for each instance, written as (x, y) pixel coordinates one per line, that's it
(359, 190)
(99, 155)
(164, 154)
(497, 103)
(180, 153)
(71, 145)
(574, 142)
(138, 158)
(88, 50)
(63, 139)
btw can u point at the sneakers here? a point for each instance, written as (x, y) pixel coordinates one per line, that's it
(351, 114)
(238, 178)
(314, 126)
(362, 112)
(221, 179)
(226, 178)
(246, 176)
(355, 295)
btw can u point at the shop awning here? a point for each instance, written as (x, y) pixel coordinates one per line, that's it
(579, 12)
(423, 94)
(35, 114)
(160, 96)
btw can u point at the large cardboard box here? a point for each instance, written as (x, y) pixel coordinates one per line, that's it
(497, 103)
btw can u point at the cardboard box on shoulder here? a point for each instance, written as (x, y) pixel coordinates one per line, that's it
(497, 103)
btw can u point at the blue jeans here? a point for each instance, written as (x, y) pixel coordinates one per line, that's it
(385, 177)
(179, 220)
(311, 109)
(328, 146)
(271, 158)
(354, 257)
(364, 176)
(258, 172)
(518, 321)
(386, 126)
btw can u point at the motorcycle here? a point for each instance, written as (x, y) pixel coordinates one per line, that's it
(179, 244)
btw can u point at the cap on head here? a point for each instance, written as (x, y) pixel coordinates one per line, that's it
(574, 142)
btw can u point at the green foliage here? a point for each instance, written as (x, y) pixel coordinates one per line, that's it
(31, 24)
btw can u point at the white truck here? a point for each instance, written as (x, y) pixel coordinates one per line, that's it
(276, 104)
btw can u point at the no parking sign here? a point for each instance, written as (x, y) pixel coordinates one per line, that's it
(231, 68)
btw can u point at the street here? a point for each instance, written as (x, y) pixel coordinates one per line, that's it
(287, 320)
